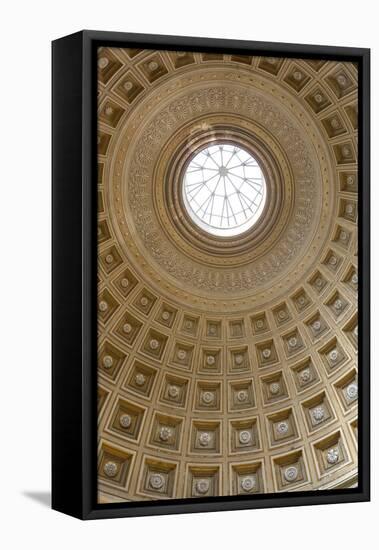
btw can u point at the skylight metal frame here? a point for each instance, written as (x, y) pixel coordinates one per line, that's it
(223, 199)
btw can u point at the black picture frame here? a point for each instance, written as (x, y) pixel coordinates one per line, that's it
(74, 253)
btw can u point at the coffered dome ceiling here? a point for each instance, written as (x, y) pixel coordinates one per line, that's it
(227, 364)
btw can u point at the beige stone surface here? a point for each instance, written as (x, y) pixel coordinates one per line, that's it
(226, 366)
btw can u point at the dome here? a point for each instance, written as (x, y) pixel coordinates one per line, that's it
(227, 271)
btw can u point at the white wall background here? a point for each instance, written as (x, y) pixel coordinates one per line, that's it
(27, 29)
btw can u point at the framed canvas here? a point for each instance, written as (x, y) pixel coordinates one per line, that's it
(210, 220)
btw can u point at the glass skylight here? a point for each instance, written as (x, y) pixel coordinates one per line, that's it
(224, 190)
